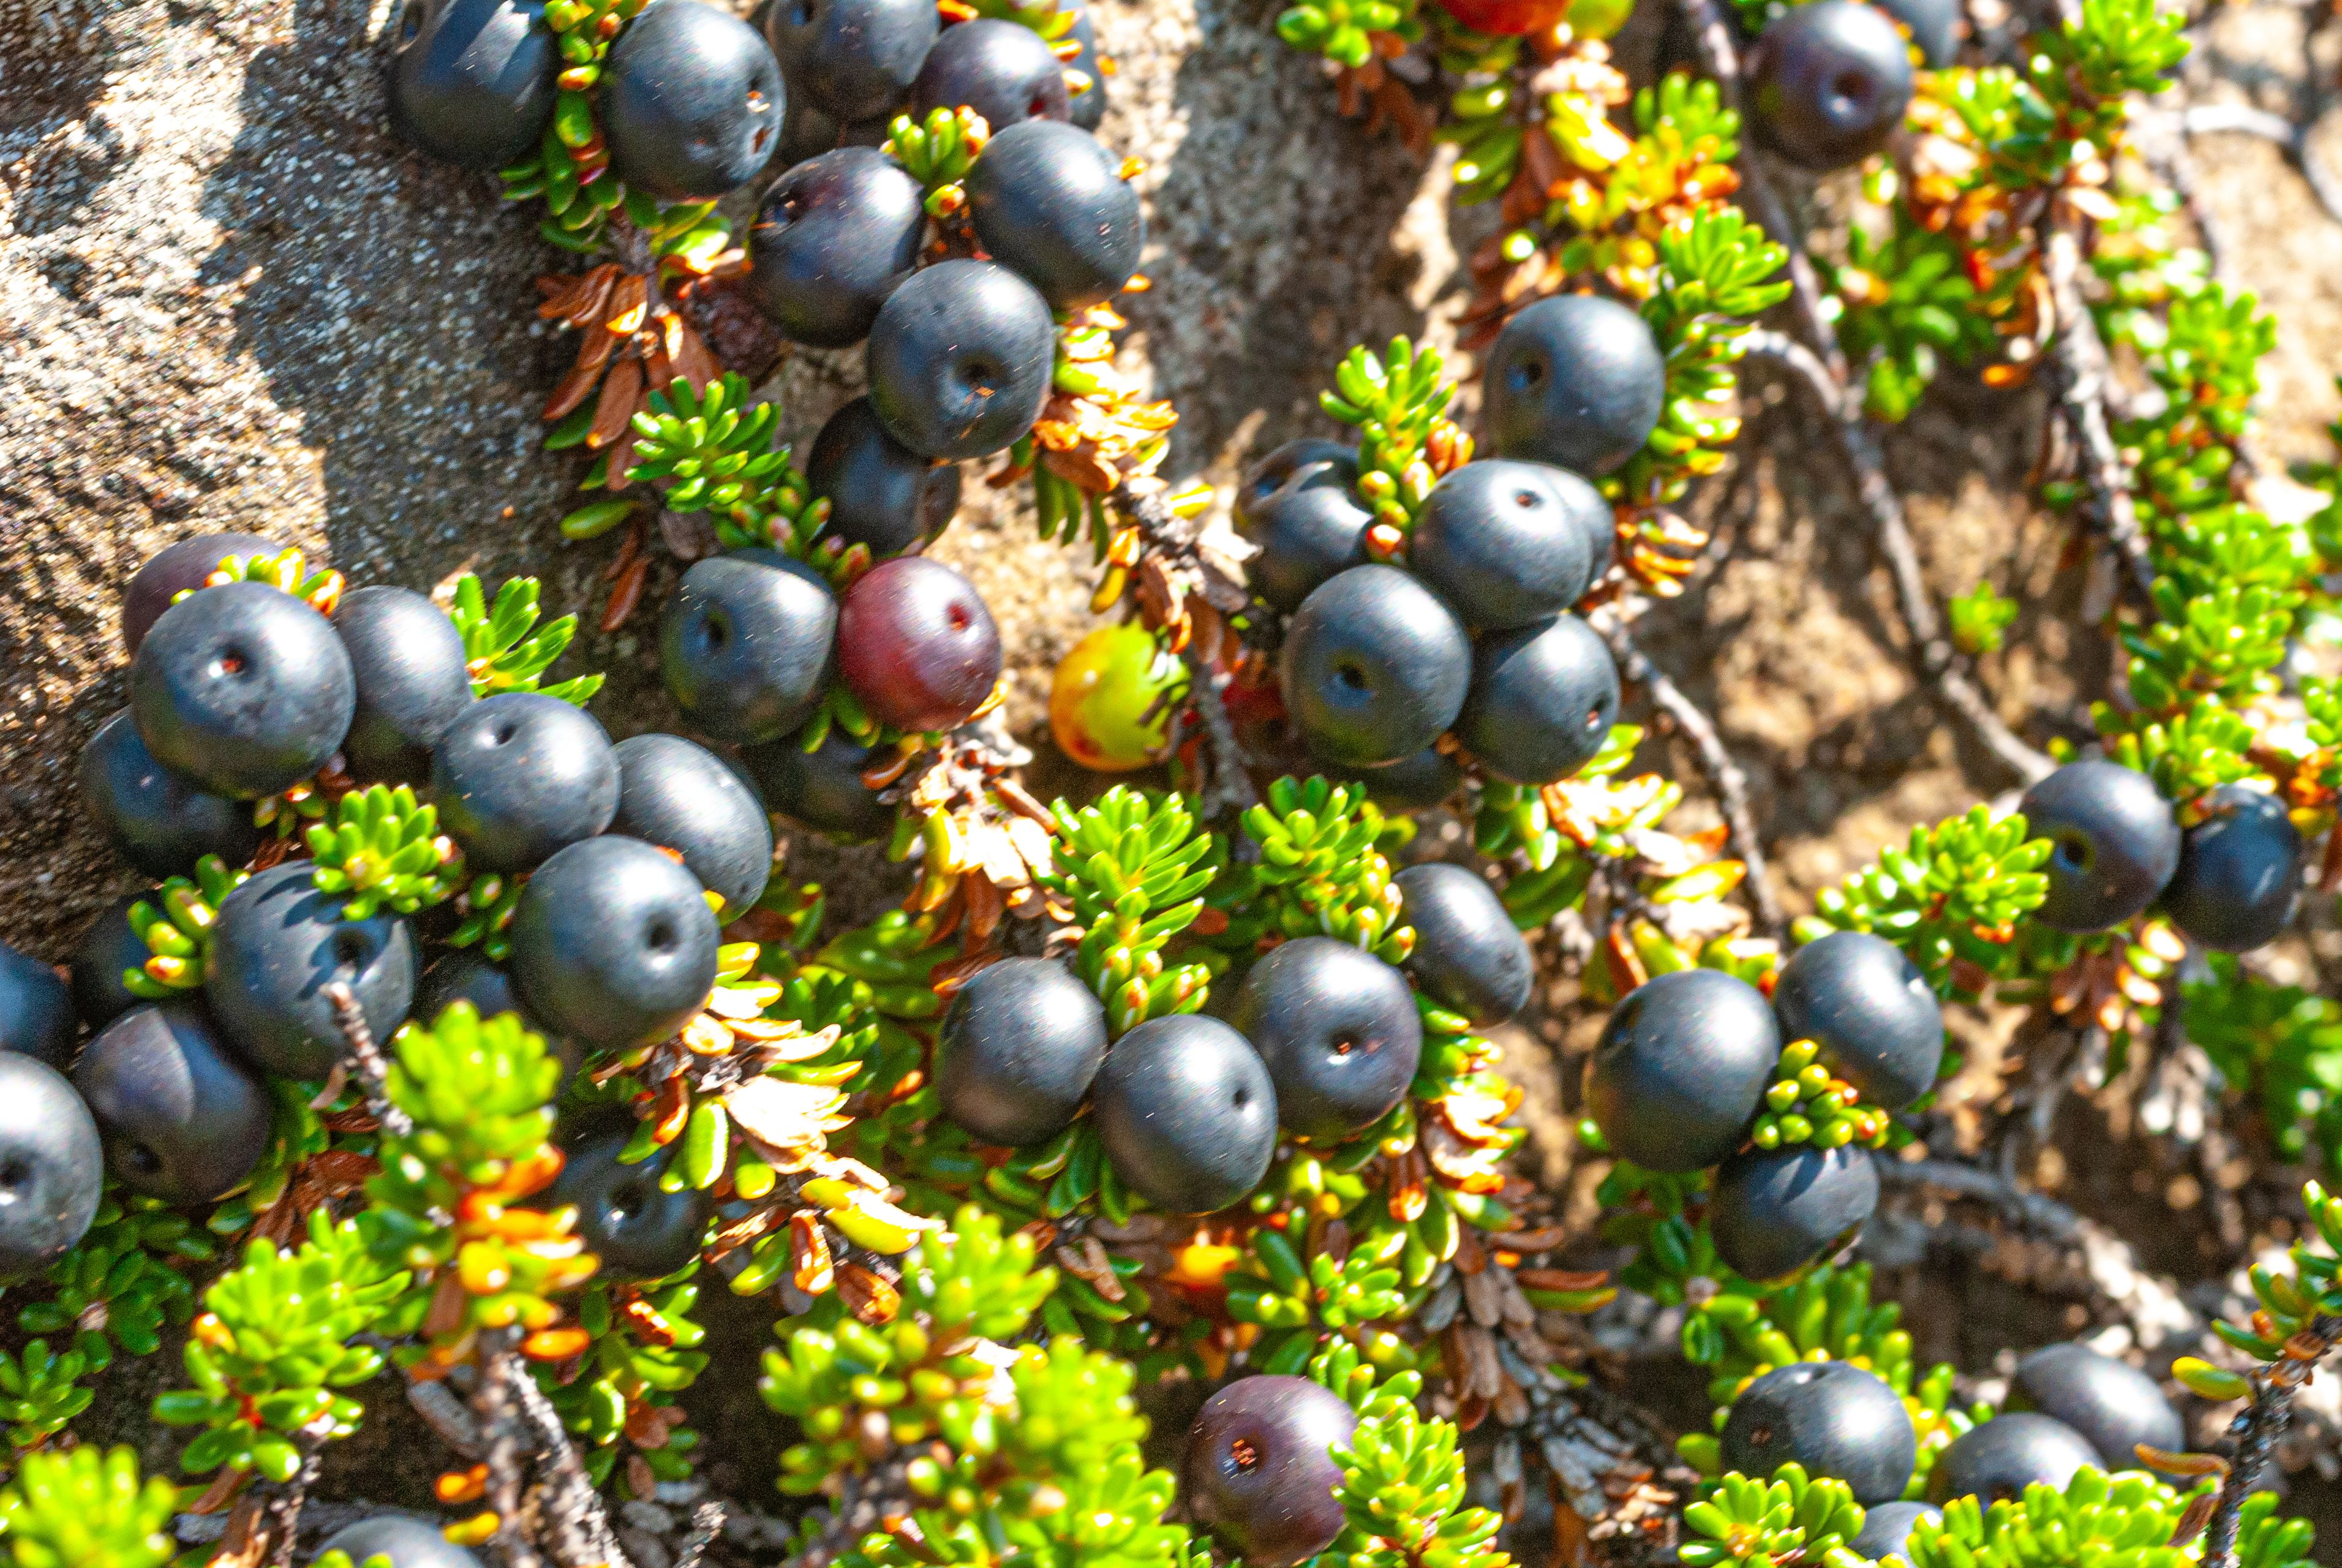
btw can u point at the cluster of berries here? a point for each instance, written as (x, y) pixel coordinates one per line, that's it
(1463, 628)
(442, 827)
(1321, 1039)
(2069, 1407)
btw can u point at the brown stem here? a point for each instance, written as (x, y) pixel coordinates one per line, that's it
(2081, 356)
(1228, 786)
(365, 1059)
(494, 1409)
(2254, 1434)
(1731, 784)
(707, 1523)
(1940, 663)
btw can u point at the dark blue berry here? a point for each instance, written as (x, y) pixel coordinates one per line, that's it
(855, 58)
(960, 357)
(51, 1166)
(1774, 1212)
(1828, 83)
(1308, 531)
(1019, 1047)
(880, 493)
(1576, 381)
(832, 238)
(473, 81)
(180, 1120)
(1086, 108)
(276, 947)
(1417, 782)
(1186, 1112)
(1375, 666)
(1682, 1065)
(157, 820)
(823, 788)
(175, 569)
(612, 943)
(2113, 1405)
(745, 645)
(1542, 701)
(1934, 27)
(1831, 1417)
(1887, 1530)
(1469, 956)
(2114, 844)
(1259, 1470)
(407, 1543)
(518, 776)
(1997, 1460)
(685, 798)
(1002, 70)
(244, 689)
(412, 674)
(691, 102)
(1049, 201)
(2239, 875)
(1877, 1019)
(1333, 463)
(638, 1232)
(1509, 544)
(107, 950)
(1338, 1031)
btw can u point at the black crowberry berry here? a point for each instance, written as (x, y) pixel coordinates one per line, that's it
(407, 1541)
(683, 797)
(518, 776)
(612, 943)
(244, 689)
(638, 1232)
(1259, 1471)
(107, 949)
(960, 356)
(157, 820)
(180, 1120)
(1272, 472)
(1051, 203)
(822, 788)
(1509, 544)
(473, 81)
(1829, 83)
(1680, 1070)
(917, 644)
(1830, 1417)
(1310, 530)
(1019, 1047)
(1871, 1011)
(880, 493)
(1086, 108)
(855, 58)
(1186, 1112)
(1773, 1212)
(1469, 956)
(410, 666)
(51, 1166)
(1933, 25)
(2113, 1405)
(1338, 1031)
(1887, 1530)
(1002, 70)
(745, 645)
(2114, 844)
(462, 974)
(37, 1010)
(2239, 875)
(1575, 381)
(1412, 784)
(1542, 701)
(276, 947)
(1375, 666)
(834, 237)
(1999, 1458)
(175, 569)
(691, 102)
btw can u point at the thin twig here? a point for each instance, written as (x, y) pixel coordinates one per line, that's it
(2255, 1432)
(2081, 356)
(1228, 787)
(1940, 663)
(365, 1059)
(579, 1525)
(2293, 139)
(1731, 784)
(2031, 1210)
(500, 1425)
(707, 1523)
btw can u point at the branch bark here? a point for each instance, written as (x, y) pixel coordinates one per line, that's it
(365, 1058)
(2081, 359)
